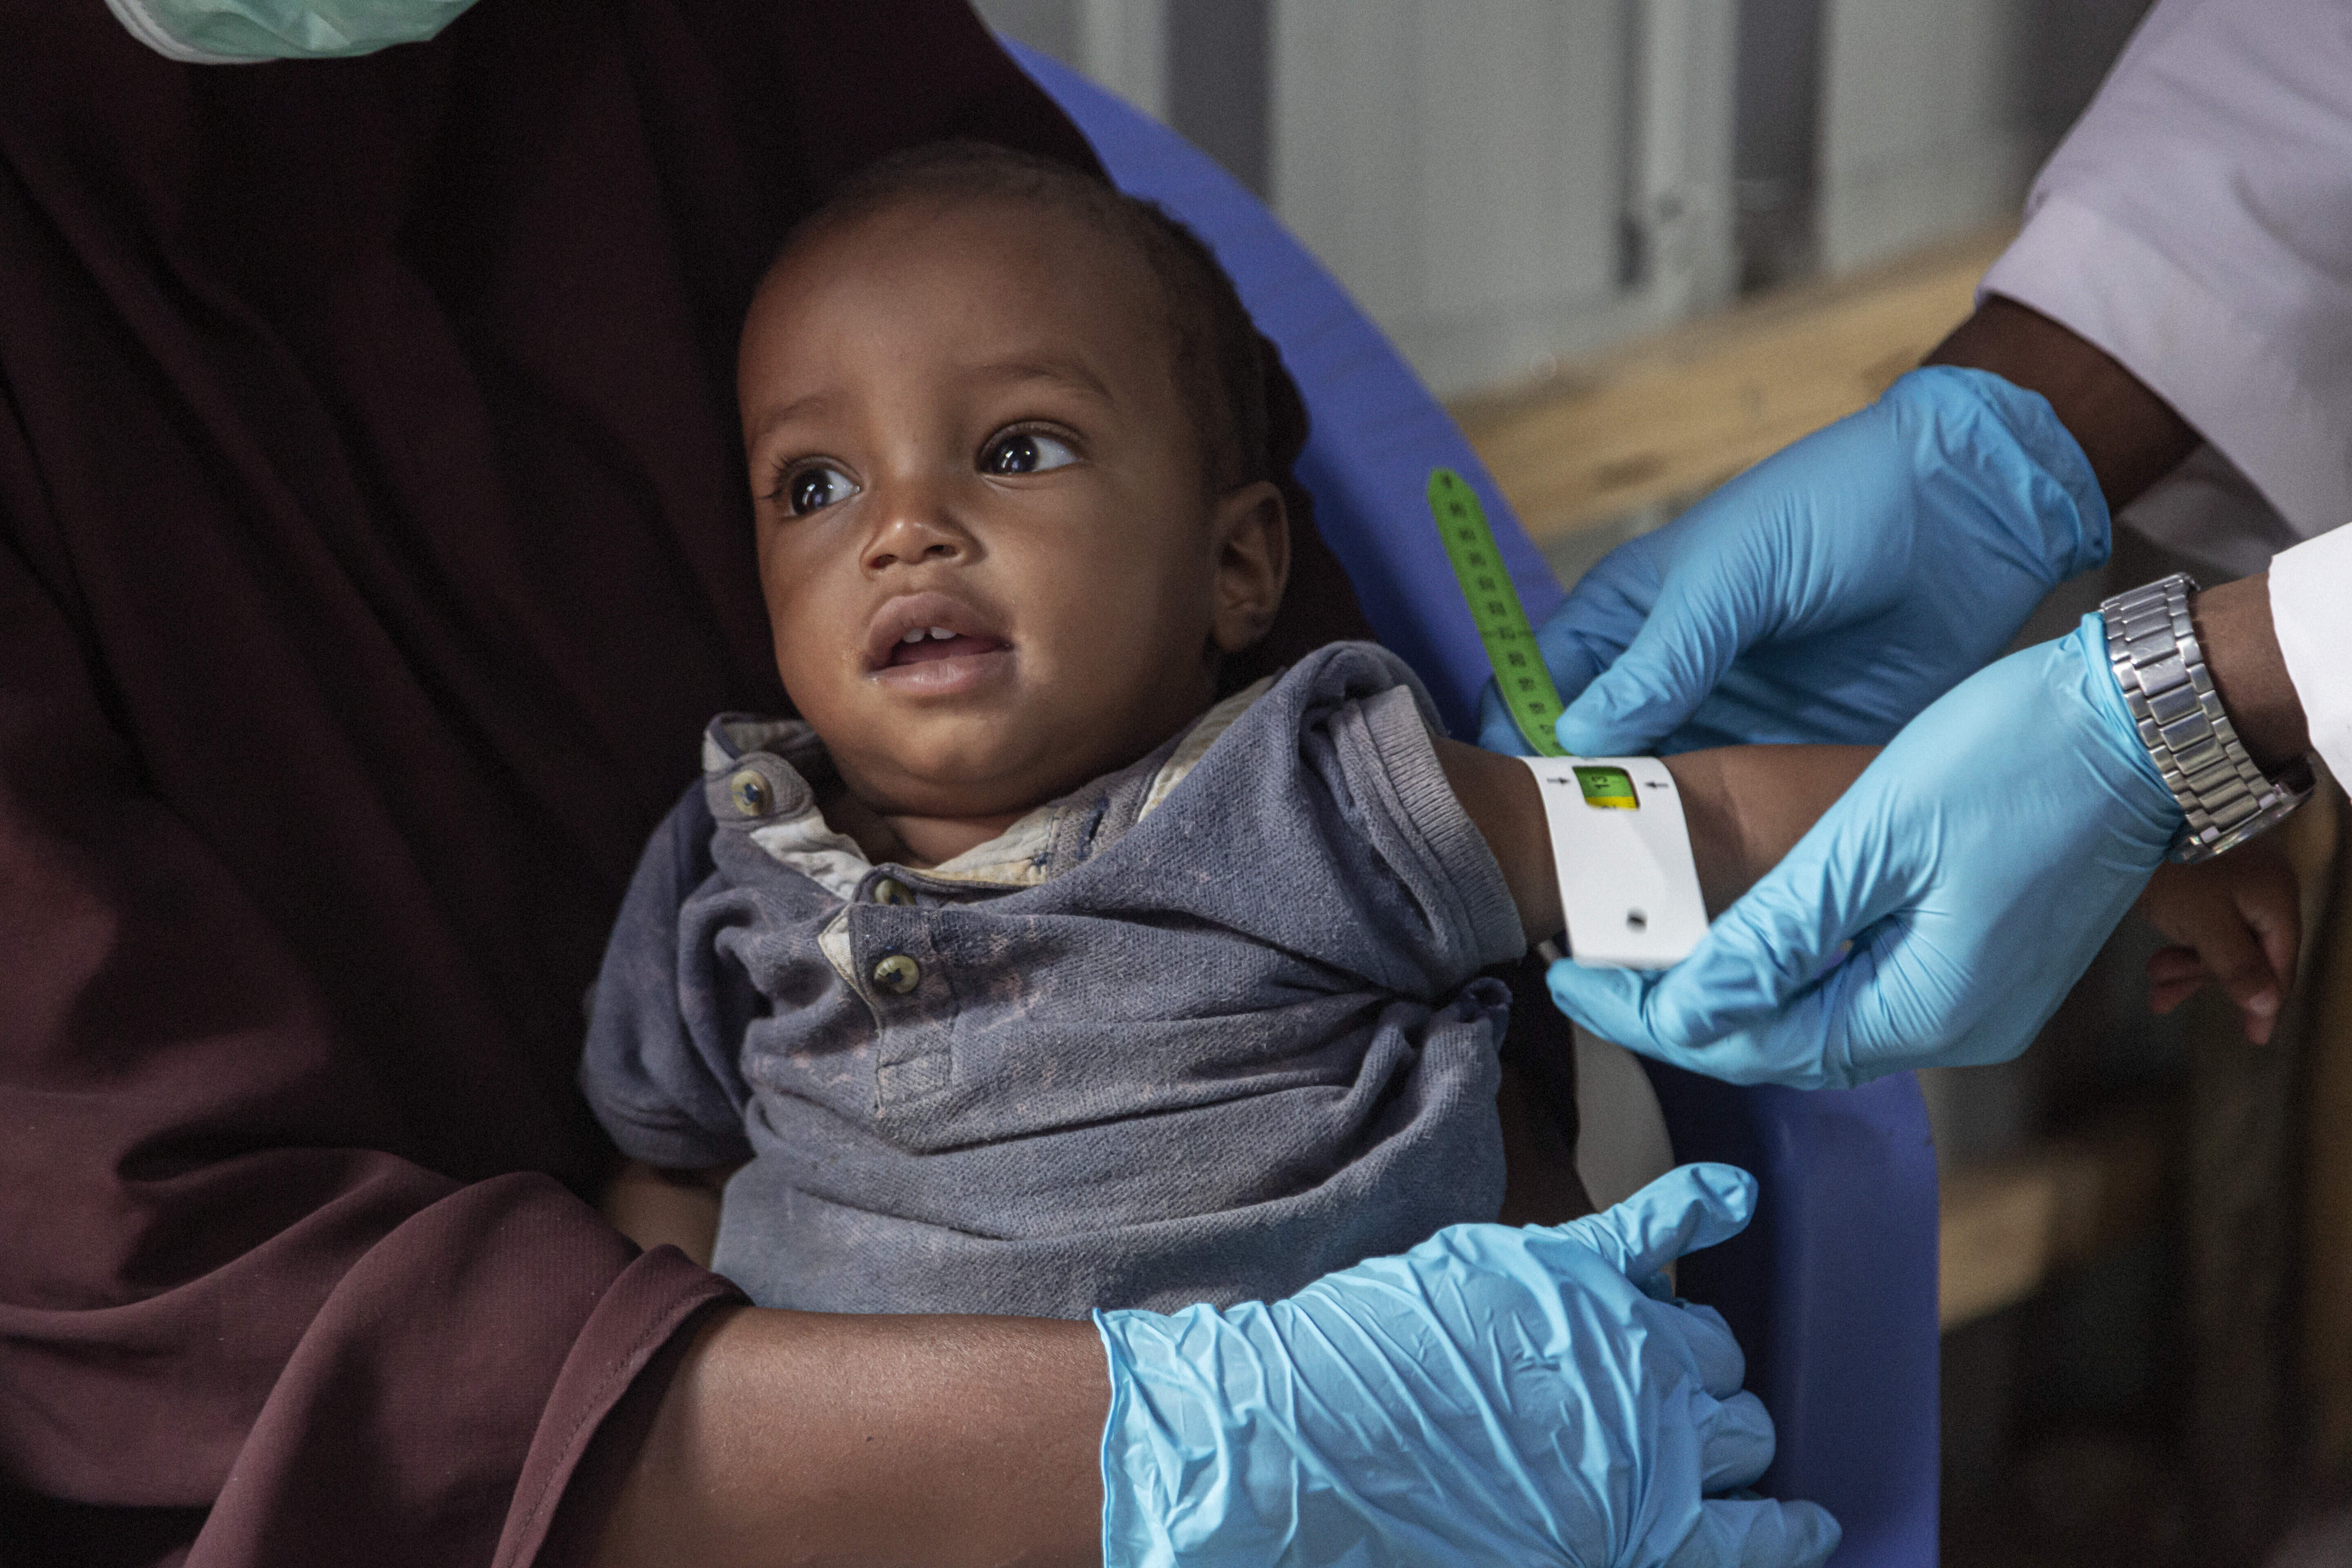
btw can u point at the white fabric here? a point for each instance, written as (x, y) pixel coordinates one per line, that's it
(2311, 604)
(809, 845)
(2210, 514)
(1622, 1144)
(2197, 225)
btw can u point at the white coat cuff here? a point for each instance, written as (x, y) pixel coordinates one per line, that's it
(2112, 289)
(2310, 587)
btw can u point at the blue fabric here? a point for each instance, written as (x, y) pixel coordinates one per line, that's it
(1495, 1395)
(1209, 1048)
(1832, 1290)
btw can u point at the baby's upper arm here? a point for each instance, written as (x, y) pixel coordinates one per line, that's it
(668, 1090)
(1426, 906)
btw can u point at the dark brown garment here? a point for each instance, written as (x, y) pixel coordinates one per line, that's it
(372, 548)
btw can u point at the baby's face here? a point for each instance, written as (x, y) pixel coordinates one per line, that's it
(993, 567)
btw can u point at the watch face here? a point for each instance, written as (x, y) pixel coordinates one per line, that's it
(1611, 789)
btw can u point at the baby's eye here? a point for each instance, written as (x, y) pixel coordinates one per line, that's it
(1026, 453)
(814, 489)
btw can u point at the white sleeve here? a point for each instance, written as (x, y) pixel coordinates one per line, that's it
(2197, 225)
(2311, 587)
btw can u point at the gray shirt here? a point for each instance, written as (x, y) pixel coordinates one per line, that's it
(1205, 1029)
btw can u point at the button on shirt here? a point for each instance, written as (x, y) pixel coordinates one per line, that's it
(1206, 1030)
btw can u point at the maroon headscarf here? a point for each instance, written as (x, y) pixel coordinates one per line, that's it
(372, 546)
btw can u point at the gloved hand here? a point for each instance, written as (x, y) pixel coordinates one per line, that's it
(1495, 1395)
(1975, 867)
(1834, 590)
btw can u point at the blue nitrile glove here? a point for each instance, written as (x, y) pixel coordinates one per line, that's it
(1495, 1395)
(1834, 589)
(1975, 867)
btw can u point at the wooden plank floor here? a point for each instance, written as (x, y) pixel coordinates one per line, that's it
(1663, 420)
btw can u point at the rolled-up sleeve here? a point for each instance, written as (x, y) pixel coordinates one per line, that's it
(2197, 225)
(1325, 827)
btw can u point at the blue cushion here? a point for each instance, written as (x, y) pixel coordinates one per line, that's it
(1832, 1290)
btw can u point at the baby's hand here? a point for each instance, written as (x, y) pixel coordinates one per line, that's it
(2238, 920)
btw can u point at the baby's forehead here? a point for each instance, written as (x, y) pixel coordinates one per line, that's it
(980, 241)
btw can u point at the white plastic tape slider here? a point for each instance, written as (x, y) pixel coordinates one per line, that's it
(1621, 850)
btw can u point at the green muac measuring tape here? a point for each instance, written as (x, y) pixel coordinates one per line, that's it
(1621, 848)
(1495, 608)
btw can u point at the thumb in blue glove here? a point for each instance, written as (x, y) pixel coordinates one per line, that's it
(1493, 1395)
(1834, 589)
(1939, 912)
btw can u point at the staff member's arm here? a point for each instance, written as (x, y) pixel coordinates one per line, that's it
(1942, 908)
(1939, 912)
(2175, 279)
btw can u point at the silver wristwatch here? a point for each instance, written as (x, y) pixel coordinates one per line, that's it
(2161, 669)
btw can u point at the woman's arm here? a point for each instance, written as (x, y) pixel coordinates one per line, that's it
(1746, 807)
(815, 1438)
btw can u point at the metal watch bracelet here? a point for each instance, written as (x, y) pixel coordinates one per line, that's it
(2161, 669)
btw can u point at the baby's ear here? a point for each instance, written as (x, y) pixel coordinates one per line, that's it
(1251, 536)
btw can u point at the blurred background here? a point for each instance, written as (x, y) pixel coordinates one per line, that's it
(1637, 244)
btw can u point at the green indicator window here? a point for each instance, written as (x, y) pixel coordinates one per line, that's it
(1611, 789)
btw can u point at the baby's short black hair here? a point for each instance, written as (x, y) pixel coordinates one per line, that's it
(1245, 410)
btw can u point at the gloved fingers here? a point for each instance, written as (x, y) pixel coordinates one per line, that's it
(1730, 983)
(1689, 1207)
(1801, 921)
(1757, 1533)
(1715, 1353)
(1692, 634)
(1497, 730)
(1734, 1442)
(1612, 1002)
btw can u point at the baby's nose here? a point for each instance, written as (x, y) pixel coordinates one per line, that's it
(909, 533)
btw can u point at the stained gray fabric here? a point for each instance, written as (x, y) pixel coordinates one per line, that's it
(1214, 1050)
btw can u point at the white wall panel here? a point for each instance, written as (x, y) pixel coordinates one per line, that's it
(1121, 44)
(1928, 122)
(1499, 183)
(1468, 167)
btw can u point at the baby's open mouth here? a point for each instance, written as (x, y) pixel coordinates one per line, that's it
(958, 641)
(924, 644)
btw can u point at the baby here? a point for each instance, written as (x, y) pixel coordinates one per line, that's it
(1034, 968)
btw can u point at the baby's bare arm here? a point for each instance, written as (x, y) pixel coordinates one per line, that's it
(1746, 807)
